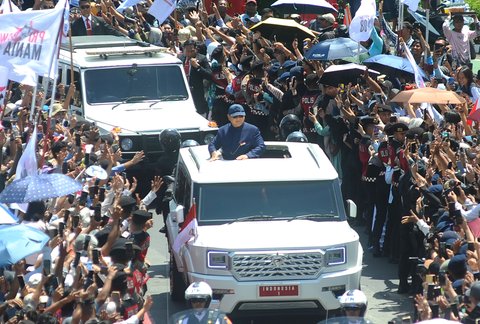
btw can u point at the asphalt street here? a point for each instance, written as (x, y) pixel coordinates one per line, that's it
(378, 282)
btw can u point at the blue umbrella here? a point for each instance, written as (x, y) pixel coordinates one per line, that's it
(19, 241)
(392, 65)
(334, 49)
(303, 7)
(39, 187)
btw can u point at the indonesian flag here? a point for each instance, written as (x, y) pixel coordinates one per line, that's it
(472, 116)
(188, 230)
(347, 18)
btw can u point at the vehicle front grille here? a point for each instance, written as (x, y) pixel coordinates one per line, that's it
(277, 265)
(151, 144)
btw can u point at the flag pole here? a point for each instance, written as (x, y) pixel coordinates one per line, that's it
(6, 99)
(54, 87)
(71, 52)
(10, 5)
(34, 99)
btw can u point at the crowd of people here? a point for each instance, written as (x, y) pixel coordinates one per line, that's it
(417, 165)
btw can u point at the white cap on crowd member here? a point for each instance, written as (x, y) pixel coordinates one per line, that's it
(328, 17)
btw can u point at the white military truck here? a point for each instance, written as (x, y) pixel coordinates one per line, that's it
(272, 232)
(135, 88)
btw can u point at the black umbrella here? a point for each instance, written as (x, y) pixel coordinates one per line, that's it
(345, 74)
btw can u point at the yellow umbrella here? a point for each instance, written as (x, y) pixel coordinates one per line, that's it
(429, 95)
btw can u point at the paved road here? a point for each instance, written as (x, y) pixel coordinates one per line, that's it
(378, 282)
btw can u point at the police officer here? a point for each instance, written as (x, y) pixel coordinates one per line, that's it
(399, 165)
(353, 304)
(382, 192)
(289, 124)
(258, 107)
(308, 104)
(369, 174)
(198, 296)
(170, 140)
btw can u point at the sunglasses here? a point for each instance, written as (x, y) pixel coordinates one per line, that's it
(239, 116)
(197, 300)
(351, 308)
(85, 7)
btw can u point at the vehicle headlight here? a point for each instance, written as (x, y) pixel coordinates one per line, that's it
(335, 256)
(126, 144)
(217, 260)
(208, 138)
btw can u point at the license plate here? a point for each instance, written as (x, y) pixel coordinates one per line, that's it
(275, 291)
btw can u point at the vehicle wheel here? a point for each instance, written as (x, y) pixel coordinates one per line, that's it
(177, 284)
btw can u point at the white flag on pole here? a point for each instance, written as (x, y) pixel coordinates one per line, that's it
(412, 4)
(28, 43)
(127, 3)
(418, 75)
(27, 165)
(8, 6)
(362, 24)
(161, 9)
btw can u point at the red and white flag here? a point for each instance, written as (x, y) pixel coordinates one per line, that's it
(474, 114)
(188, 230)
(347, 16)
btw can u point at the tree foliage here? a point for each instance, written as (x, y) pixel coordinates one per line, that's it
(474, 5)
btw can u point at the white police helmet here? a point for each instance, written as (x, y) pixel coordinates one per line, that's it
(199, 290)
(354, 299)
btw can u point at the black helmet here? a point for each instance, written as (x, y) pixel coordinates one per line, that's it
(289, 124)
(189, 143)
(297, 136)
(170, 140)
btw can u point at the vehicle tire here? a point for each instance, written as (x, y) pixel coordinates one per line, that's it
(177, 284)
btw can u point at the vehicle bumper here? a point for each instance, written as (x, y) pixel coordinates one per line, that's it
(315, 295)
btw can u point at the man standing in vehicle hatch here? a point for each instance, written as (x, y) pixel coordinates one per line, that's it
(237, 140)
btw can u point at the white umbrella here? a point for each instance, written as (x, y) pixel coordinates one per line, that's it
(303, 7)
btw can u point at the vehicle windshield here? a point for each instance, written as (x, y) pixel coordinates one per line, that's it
(225, 202)
(145, 82)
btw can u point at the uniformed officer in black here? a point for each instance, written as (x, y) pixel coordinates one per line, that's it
(400, 166)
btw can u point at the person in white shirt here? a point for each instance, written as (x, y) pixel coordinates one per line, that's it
(459, 37)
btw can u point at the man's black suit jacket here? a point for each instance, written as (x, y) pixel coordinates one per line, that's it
(99, 27)
(196, 81)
